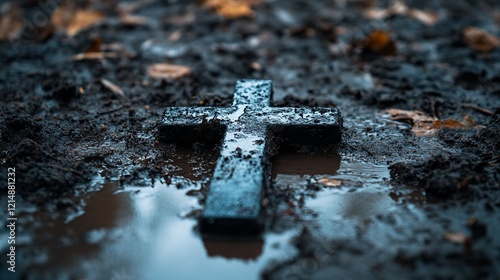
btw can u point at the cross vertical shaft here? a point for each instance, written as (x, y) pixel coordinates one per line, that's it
(234, 199)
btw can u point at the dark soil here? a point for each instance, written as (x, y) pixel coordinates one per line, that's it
(59, 125)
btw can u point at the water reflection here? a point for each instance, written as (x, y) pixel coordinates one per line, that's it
(234, 249)
(305, 164)
(363, 194)
(140, 231)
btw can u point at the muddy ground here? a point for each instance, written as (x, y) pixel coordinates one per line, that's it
(60, 127)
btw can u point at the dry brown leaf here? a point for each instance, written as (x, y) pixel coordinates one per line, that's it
(72, 20)
(125, 10)
(424, 129)
(330, 182)
(400, 8)
(112, 87)
(457, 237)
(426, 17)
(95, 45)
(376, 13)
(95, 55)
(231, 9)
(469, 121)
(168, 71)
(11, 24)
(378, 41)
(133, 20)
(409, 116)
(439, 124)
(175, 36)
(480, 39)
(425, 125)
(130, 7)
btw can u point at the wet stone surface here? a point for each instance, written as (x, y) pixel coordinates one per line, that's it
(234, 199)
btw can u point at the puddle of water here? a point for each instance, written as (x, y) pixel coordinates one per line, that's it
(363, 194)
(143, 232)
(297, 167)
(140, 232)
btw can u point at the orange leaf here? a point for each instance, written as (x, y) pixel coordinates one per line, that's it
(168, 71)
(378, 41)
(480, 39)
(470, 122)
(72, 20)
(448, 124)
(11, 24)
(425, 125)
(425, 129)
(231, 8)
(409, 116)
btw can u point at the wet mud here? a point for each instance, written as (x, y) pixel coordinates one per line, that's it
(102, 195)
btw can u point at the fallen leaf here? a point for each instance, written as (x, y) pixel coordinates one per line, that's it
(72, 20)
(231, 9)
(133, 20)
(378, 41)
(400, 8)
(425, 125)
(423, 129)
(11, 24)
(112, 87)
(168, 71)
(409, 116)
(95, 45)
(94, 55)
(125, 10)
(426, 17)
(376, 13)
(457, 237)
(439, 124)
(381, 42)
(130, 7)
(480, 39)
(330, 182)
(175, 36)
(97, 50)
(470, 121)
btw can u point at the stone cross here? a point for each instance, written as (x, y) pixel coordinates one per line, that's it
(234, 200)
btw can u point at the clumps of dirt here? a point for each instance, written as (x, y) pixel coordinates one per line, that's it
(37, 170)
(62, 90)
(473, 170)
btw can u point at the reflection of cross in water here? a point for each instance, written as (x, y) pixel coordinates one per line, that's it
(235, 194)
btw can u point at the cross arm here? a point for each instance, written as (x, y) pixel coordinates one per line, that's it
(305, 125)
(188, 124)
(301, 116)
(175, 116)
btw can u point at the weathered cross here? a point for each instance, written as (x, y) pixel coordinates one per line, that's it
(236, 191)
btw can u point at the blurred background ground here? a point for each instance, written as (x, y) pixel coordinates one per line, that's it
(83, 85)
